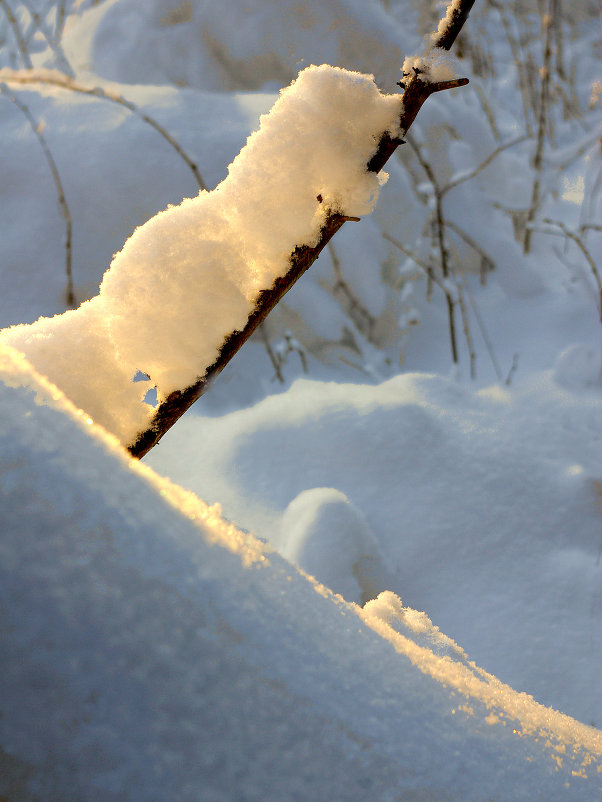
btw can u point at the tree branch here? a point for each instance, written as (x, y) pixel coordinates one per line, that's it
(417, 90)
(452, 24)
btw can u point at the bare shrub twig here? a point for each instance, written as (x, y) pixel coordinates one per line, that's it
(363, 320)
(469, 174)
(64, 207)
(541, 124)
(64, 82)
(487, 263)
(276, 363)
(439, 225)
(568, 234)
(18, 34)
(53, 39)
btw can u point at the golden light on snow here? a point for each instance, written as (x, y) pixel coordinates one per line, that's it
(386, 615)
(574, 191)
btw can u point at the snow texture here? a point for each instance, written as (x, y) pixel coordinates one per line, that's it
(151, 650)
(452, 8)
(218, 250)
(490, 496)
(434, 67)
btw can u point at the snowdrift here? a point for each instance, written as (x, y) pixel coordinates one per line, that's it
(151, 650)
(484, 507)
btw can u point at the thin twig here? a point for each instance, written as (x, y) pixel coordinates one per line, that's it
(64, 82)
(21, 43)
(575, 152)
(428, 269)
(293, 347)
(487, 264)
(512, 371)
(558, 19)
(65, 213)
(361, 317)
(440, 236)
(581, 245)
(485, 163)
(488, 112)
(467, 334)
(60, 20)
(541, 125)
(483, 330)
(53, 41)
(531, 73)
(270, 351)
(520, 66)
(445, 289)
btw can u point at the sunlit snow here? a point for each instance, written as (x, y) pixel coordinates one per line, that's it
(353, 570)
(192, 274)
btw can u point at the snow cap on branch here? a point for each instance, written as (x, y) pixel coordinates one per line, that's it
(436, 66)
(191, 275)
(453, 8)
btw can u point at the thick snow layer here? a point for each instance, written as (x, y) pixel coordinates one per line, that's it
(192, 274)
(485, 507)
(151, 650)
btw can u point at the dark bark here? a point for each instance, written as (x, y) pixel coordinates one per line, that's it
(458, 17)
(417, 90)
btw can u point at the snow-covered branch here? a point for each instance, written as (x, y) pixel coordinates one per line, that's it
(192, 284)
(418, 89)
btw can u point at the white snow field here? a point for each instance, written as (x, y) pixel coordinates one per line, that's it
(371, 574)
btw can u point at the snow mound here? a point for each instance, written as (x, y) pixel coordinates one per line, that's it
(578, 366)
(324, 534)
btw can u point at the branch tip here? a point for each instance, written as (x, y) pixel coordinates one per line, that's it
(440, 86)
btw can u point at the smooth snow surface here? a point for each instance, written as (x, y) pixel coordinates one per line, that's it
(192, 274)
(484, 507)
(240, 45)
(325, 535)
(151, 650)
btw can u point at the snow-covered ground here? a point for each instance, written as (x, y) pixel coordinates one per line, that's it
(151, 647)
